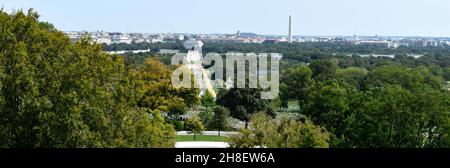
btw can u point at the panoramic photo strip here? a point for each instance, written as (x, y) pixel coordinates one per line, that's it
(201, 83)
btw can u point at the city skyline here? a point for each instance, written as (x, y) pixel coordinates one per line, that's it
(319, 18)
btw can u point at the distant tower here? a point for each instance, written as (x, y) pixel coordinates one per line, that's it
(290, 30)
(356, 37)
(238, 34)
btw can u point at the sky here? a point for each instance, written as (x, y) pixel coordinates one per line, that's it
(269, 17)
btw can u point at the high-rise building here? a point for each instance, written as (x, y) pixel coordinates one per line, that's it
(290, 30)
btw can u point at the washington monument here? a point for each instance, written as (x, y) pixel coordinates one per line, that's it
(290, 30)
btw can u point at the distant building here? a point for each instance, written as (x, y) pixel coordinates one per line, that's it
(121, 39)
(156, 40)
(73, 36)
(229, 84)
(181, 37)
(167, 51)
(420, 42)
(128, 51)
(270, 41)
(138, 40)
(383, 43)
(103, 40)
(193, 44)
(323, 39)
(227, 40)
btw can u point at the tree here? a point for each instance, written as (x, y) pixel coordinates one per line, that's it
(55, 93)
(397, 75)
(352, 75)
(207, 116)
(208, 100)
(244, 102)
(219, 121)
(159, 94)
(280, 133)
(298, 80)
(177, 109)
(396, 117)
(284, 96)
(324, 69)
(436, 70)
(47, 25)
(328, 105)
(446, 74)
(195, 126)
(245, 139)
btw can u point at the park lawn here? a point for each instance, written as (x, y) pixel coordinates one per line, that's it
(212, 138)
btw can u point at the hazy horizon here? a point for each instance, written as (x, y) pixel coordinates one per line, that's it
(411, 18)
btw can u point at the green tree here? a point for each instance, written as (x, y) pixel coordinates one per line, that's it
(284, 96)
(352, 75)
(55, 93)
(195, 126)
(207, 116)
(328, 105)
(398, 75)
(298, 80)
(244, 102)
(324, 69)
(177, 109)
(208, 100)
(446, 74)
(159, 94)
(280, 133)
(219, 121)
(396, 117)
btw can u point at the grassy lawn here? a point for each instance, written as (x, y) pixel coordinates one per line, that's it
(213, 138)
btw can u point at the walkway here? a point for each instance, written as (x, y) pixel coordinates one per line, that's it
(222, 133)
(201, 144)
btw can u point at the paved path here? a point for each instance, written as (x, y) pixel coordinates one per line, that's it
(222, 133)
(201, 144)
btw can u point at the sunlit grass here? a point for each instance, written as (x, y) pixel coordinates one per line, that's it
(212, 138)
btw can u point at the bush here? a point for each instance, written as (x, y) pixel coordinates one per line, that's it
(179, 125)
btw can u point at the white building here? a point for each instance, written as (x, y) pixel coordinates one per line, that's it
(121, 39)
(382, 43)
(168, 51)
(193, 44)
(181, 37)
(229, 84)
(103, 40)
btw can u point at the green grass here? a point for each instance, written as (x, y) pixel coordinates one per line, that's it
(213, 138)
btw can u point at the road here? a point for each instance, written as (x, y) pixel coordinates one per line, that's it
(222, 133)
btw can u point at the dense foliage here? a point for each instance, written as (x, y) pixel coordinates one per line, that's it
(280, 133)
(54, 93)
(388, 106)
(243, 102)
